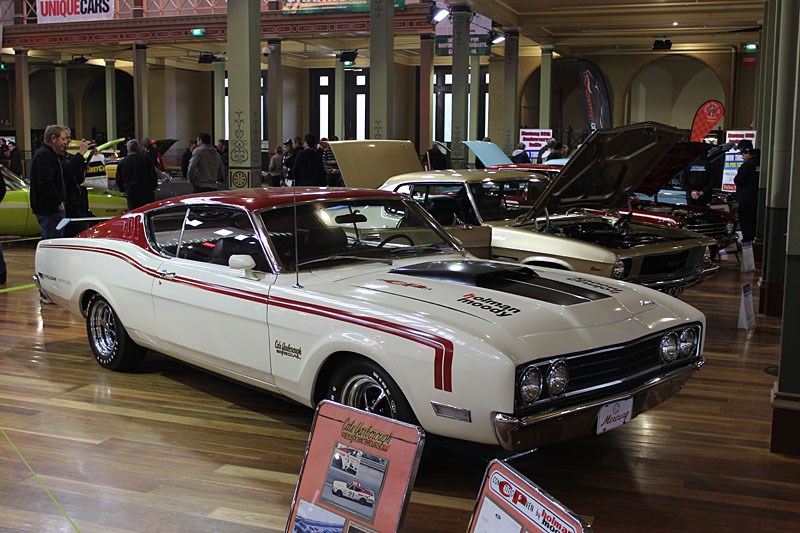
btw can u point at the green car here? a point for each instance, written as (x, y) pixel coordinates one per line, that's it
(16, 217)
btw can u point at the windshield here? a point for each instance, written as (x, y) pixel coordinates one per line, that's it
(346, 230)
(12, 181)
(505, 199)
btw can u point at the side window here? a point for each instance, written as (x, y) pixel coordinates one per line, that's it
(404, 189)
(213, 234)
(165, 230)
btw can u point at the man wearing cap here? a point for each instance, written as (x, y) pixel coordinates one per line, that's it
(289, 155)
(746, 181)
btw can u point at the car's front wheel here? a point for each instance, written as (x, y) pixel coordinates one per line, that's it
(362, 384)
(111, 345)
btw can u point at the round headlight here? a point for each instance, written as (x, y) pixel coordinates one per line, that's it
(707, 255)
(557, 378)
(687, 342)
(618, 270)
(730, 227)
(530, 384)
(669, 346)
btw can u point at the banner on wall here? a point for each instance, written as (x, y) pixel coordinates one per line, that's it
(50, 11)
(707, 116)
(304, 7)
(595, 93)
(479, 28)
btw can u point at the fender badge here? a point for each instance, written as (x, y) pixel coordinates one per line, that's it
(645, 303)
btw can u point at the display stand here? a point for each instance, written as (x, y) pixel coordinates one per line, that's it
(357, 473)
(748, 260)
(510, 503)
(747, 318)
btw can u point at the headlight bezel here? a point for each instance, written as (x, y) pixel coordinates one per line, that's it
(530, 372)
(557, 377)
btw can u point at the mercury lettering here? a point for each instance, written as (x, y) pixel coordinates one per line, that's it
(610, 419)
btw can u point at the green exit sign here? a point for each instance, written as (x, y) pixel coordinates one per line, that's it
(198, 32)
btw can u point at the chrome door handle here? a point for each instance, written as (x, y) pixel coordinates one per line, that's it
(165, 275)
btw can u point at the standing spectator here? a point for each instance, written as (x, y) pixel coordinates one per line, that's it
(697, 182)
(308, 170)
(76, 204)
(333, 176)
(149, 148)
(545, 150)
(136, 177)
(555, 152)
(48, 188)
(275, 169)
(186, 157)
(746, 181)
(4, 156)
(222, 148)
(15, 158)
(205, 166)
(520, 156)
(435, 158)
(289, 155)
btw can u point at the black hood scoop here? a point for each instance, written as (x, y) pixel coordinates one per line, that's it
(510, 279)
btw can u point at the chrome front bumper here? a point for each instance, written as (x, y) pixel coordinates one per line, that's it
(676, 286)
(518, 434)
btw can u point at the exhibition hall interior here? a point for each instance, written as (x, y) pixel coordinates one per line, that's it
(359, 266)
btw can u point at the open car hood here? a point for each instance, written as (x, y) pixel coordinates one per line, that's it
(678, 158)
(489, 153)
(368, 164)
(607, 168)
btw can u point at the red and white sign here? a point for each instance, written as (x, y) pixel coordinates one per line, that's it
(733, 159)
(707, 116)
(509, 502)
(49, 11)
(358, 472)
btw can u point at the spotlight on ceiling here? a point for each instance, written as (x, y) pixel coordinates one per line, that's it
(348, 57)
(206, 57)
(659, 44)
(495, 38)
(78, 60)
(437, 14)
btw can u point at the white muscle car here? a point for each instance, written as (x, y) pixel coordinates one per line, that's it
(353, 490)
(361, 297)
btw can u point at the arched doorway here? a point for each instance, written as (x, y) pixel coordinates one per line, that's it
(671, 89)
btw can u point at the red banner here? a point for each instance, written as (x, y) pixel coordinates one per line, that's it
(708, 115)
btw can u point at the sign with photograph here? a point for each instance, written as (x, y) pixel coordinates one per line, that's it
(733, 159)
(508, 502)
(49, 11)
(534, 141)
(304, 7)
(357, 474)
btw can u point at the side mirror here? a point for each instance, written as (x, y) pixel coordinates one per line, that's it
(243, 262)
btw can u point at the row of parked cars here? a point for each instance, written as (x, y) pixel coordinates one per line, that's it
(371, 297)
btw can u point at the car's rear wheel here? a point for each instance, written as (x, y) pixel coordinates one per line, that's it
(362, 384)
(111, 345)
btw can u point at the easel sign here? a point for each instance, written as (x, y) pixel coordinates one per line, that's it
(510, 503)
(357, 473)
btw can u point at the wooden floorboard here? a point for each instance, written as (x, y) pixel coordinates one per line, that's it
(170, 448)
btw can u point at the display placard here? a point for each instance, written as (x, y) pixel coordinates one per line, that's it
(509, 502)
(747, 318)
(534, 141)
(733, 159)
(307, 7)
(357, 472)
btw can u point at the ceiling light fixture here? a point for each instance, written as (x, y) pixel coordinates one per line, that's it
(348, 57)
(206, 58)
(437, 14)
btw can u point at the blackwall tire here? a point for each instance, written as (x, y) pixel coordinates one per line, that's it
(111, 345)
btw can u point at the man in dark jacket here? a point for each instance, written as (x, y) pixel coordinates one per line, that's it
(746, 181)
(50, 170)
(308, 169)
(15, 158)
(187, 156)
(136, 177)
(697, 182)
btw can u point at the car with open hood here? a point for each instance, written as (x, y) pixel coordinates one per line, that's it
(715, 221)
(17, 218)
(569, 223)
(360, 297)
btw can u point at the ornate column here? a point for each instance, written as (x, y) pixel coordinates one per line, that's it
(462, 16)
(510, 93)
(338, 100)
(274, 94)
(219, 102)
(474, 101)
(426, 52)
(140, 97)
(111, 100)
(62, 110)
(381, 69)
(244, 94)
(545, 86)
(22, 106)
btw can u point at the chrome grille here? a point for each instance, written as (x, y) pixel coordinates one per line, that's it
(664, 263)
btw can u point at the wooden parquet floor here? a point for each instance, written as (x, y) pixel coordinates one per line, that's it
(170, 448)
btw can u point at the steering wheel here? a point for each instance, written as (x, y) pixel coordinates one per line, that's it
(391, 238)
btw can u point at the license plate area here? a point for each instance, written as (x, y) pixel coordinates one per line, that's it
(614, 414)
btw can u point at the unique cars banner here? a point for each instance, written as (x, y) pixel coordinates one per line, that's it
(49, 11)
(707, 116)
(598, 108)
(300, 7)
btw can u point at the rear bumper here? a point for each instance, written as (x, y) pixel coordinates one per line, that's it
(518, 434)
